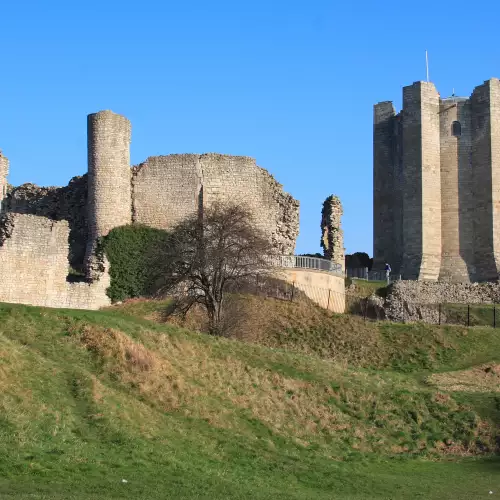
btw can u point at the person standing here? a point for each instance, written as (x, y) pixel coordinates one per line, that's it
(387, 272)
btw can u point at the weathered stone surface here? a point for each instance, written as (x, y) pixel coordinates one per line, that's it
(34, 265)
(437, 185)
(42, 226)
(6, 227)
(67, 203)
(166, 189)
(417, 300)
(109, 180)
(4, 170)
(332, 235)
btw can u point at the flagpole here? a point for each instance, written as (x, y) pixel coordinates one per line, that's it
(427, 65)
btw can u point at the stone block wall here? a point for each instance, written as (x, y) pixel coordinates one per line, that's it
(457, 232)
(486, 163)
(436, 184)
(67, 203)
(166, 189)
(422, 186)
(384, 186)
(410, 301)
(34, 265)
(44, 226)
(238, 179)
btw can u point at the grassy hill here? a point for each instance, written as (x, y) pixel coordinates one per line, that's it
(322, 406)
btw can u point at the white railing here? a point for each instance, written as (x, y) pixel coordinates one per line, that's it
(304, 262)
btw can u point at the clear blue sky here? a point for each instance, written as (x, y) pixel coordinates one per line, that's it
(290, 83)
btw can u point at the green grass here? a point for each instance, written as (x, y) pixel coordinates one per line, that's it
(349, 340)
(365, 288)
(91, 398)
(472, 315)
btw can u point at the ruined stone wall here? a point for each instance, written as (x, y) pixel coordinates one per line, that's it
(4, 171)
(457, 232)
(34, 265)
(239, 180)
(109, 174)
(332, 235)
(418, 300)
(57, 203)
(41, 225)
(167, 189)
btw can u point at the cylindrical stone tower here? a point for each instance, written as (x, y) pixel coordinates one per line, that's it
(109, 173)
(4, 171)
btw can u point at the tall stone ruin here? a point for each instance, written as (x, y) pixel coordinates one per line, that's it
(4, 171)
(45, 230)
(332, 236)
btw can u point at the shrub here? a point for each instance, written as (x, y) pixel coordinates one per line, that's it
(129, 250)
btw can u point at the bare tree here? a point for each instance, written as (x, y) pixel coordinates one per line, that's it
(209, 255)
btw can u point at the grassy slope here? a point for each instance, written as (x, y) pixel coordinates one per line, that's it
(347, 339)
(90, 398)
(365, 288)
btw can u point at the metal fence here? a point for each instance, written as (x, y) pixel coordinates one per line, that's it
(292, 292)
(468, 315)
(362, 273)
(304, 262)
(483, 314)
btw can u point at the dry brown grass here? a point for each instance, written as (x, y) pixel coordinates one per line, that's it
(209, 387)
(299, 326)
(483, 378)
(176, 374)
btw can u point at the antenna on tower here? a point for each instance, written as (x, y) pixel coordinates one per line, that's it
(427, 65)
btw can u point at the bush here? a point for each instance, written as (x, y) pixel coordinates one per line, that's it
(129, 250)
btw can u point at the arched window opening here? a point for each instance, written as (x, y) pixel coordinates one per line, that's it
(456, 129)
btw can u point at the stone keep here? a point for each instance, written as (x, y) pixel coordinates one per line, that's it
(436, 184)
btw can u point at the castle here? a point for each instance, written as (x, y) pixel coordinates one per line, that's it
(43, 231)
(436, 186)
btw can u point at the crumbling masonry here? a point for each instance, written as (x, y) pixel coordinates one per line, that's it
(44, 230)
(436, 187)
(332, 235)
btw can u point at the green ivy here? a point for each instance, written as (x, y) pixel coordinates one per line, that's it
(129, 250)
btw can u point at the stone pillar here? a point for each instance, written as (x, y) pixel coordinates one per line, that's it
(485, 121)
(457, 260)
(332, 236)
(421, 191)
(4, 171)
(109, 176)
